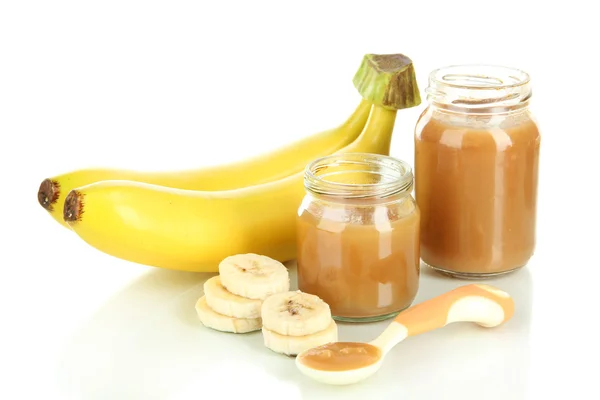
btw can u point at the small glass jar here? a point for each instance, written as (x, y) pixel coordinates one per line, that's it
(358, 236)
(477, 149)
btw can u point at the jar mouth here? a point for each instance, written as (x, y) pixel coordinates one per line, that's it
(358, 175)
(479, 76)
(479, 86)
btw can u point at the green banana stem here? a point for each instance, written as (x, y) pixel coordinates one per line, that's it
(388, 80)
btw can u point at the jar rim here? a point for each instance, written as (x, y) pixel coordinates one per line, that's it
(487, 75)
(391, 176)
(482, 88)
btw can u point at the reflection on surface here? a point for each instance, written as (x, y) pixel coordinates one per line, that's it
(462, 358)
(147, 343)
(485, 363)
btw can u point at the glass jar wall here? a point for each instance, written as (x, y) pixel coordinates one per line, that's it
(358, 236)
(476, 171)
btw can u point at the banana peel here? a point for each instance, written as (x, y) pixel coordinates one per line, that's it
(194, 230)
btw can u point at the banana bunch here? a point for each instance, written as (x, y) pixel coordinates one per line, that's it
(191, 220)
(252, 293)
(254, 171)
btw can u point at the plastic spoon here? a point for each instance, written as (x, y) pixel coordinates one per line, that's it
(344, 363)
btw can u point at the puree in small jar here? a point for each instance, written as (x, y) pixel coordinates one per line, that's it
(358, 243)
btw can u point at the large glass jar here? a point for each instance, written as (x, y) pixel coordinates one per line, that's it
(358, 236)
(476, 171)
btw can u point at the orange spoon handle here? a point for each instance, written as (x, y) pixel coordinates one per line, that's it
(483, 304)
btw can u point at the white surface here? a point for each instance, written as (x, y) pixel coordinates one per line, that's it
(166, 85)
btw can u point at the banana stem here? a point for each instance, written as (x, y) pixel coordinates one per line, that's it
(378, 132)
(388, 80)
(357, 116)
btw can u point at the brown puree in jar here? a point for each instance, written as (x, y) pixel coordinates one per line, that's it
(341, 356)
(362, 262)
(476, 186)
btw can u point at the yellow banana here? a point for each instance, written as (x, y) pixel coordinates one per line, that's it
(194, 230)
(257, 170)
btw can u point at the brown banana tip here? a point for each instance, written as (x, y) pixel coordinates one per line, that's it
(48, 194)
(73, 209)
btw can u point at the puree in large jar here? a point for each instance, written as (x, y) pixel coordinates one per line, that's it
(361, 260)
(476, 186)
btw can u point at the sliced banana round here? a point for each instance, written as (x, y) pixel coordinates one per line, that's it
(294, 345)
(227, 303)
(223, 323)
(253, 276)
(295, 313)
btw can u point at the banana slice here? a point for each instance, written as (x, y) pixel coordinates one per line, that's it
(295, 314)
(223, 323)
(227, 303)
(294, 345)
(253, 276)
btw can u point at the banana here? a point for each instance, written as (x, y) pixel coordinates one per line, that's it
(294, 345)
(223, 302)
(257, 170)
(295, 313)
(194, 230)
(253, 276)
(224, 323)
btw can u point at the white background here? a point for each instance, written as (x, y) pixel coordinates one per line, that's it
(178, 84)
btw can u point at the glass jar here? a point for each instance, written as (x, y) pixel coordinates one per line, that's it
(476, 171)
(358, 236)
